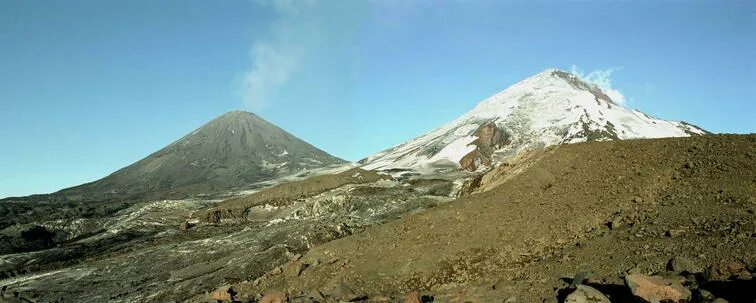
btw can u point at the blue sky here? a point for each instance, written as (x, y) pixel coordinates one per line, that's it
(87, 87)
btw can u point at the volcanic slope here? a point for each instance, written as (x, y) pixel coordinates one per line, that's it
(234, 150)
(605, 207)
(550, 108)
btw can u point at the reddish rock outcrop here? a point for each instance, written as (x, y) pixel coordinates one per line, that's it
(657, 289)
(490, 138)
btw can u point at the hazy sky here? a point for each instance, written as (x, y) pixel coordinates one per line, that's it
(87, 87)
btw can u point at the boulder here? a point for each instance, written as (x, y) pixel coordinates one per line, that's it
(413, 297)
(223, 294)
(586, 294)
(724, 270)
(657, 289)
(682, 265)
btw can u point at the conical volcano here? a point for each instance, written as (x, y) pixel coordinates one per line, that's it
(234, 150)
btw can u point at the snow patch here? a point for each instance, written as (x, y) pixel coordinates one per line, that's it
(455, 150)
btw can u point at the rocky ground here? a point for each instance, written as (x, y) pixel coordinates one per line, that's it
(589, 222)
(666, 220)
(162, 251)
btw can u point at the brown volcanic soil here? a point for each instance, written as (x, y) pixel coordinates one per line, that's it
(690, 197)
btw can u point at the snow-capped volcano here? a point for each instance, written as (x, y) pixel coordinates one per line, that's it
(552, 107)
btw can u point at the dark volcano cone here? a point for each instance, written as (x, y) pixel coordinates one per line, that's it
(233, 150)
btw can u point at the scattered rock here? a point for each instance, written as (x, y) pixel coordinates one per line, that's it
(586, 294)
(579, 279)
(705, 294)
(343, 263)
(615, 223)
(213, 217)
(293, 269)
(275, 297)
(549, 300)
(316, 295)
(342, 292)
(296, 257)
(381, 299)
(682, 265)
(511, 300)
(185, 226)
(657, 289)
(673, 233)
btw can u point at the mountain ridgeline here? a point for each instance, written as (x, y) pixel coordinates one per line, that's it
(232, 151)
